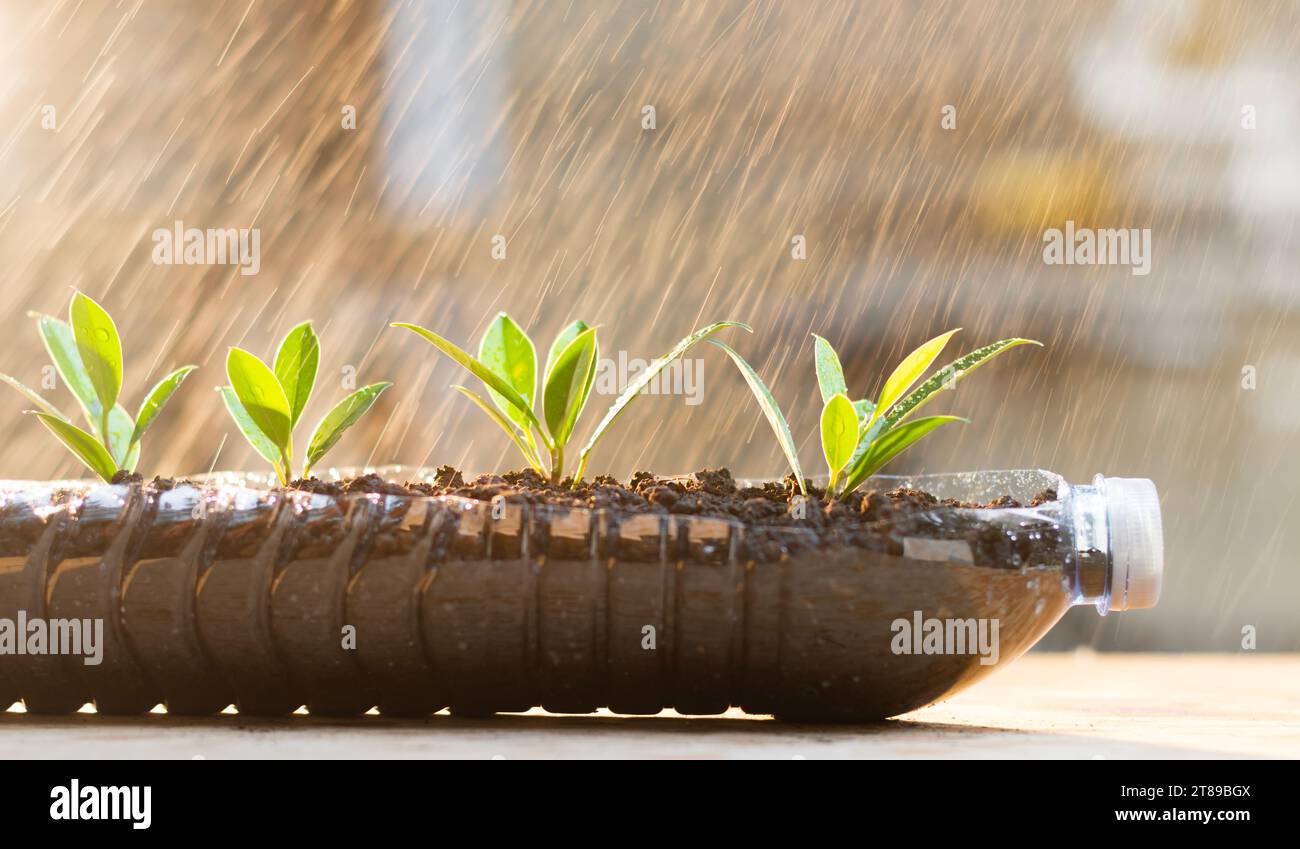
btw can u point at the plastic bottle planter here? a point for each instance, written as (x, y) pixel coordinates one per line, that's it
(228, 594)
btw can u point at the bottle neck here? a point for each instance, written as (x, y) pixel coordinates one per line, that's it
(1089, 581)
(1117, 543)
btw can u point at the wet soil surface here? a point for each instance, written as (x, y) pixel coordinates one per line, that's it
(710, 492)
(777, 522)
(776, 526)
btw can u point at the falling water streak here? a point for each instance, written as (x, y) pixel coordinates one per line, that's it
(773, 121)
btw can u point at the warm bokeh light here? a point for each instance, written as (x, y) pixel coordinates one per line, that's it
(772, 120)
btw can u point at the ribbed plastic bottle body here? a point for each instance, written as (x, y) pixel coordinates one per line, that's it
(221, 594)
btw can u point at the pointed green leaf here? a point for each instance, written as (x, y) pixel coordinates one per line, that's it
(157, 399)
(830, 374)
(261, 444)
(909, 371)
(296, 362)
(770, 409)
(336, 422)
(82, 444)
(889, 445)
(61, 344)
(948, 377)
(839, 428)
(568, 385)
(642, 380)
(507, 351)
(561, 342)
(99, 347)
(505, 425)
(261, 396)
(474, 367)
(34, 397)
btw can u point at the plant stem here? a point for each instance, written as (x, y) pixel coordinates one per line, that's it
(105, 437)
(531, 455)
(557, 464)
(582, 467)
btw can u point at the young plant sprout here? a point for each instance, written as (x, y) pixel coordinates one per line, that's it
(860, 437)
(266, 403)
(87, 354)
(507, 366)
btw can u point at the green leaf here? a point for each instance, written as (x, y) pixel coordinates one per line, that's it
(568, 385)
(889, 445)
(505, 425)
(261, 396)
(561, 342)
(99, 347)
(82, 444)
(132, 458)
(120, 429)
(61, 344)
(296, 362)
(157, 399)
(839, 427)
(771, 410)
(261, 444)
(642, 380)
(866, 430)
(507, 350)
(490, 378)
(119, 424)
(34, 397)
(948, 377)
(909, 370)
(830, 374)
(344, 415)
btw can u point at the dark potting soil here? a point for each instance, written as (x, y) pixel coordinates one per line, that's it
(870, 519)
(160, 484)
(711, 492)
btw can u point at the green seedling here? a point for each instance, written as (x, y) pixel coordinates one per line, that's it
(507, 366)
(860, 437)
(87, 353)
(266, 402)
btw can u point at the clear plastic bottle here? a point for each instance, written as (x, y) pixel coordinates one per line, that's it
(225, 592)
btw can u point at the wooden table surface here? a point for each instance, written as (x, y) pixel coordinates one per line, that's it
(1077, 705)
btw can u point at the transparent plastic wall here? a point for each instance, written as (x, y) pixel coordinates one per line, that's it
(223, 592)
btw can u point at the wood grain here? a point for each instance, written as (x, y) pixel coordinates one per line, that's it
(1077, 705)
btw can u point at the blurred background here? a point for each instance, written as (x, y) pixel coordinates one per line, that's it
(918, 148)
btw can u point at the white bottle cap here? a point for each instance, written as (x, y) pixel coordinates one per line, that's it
(1136, 542)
